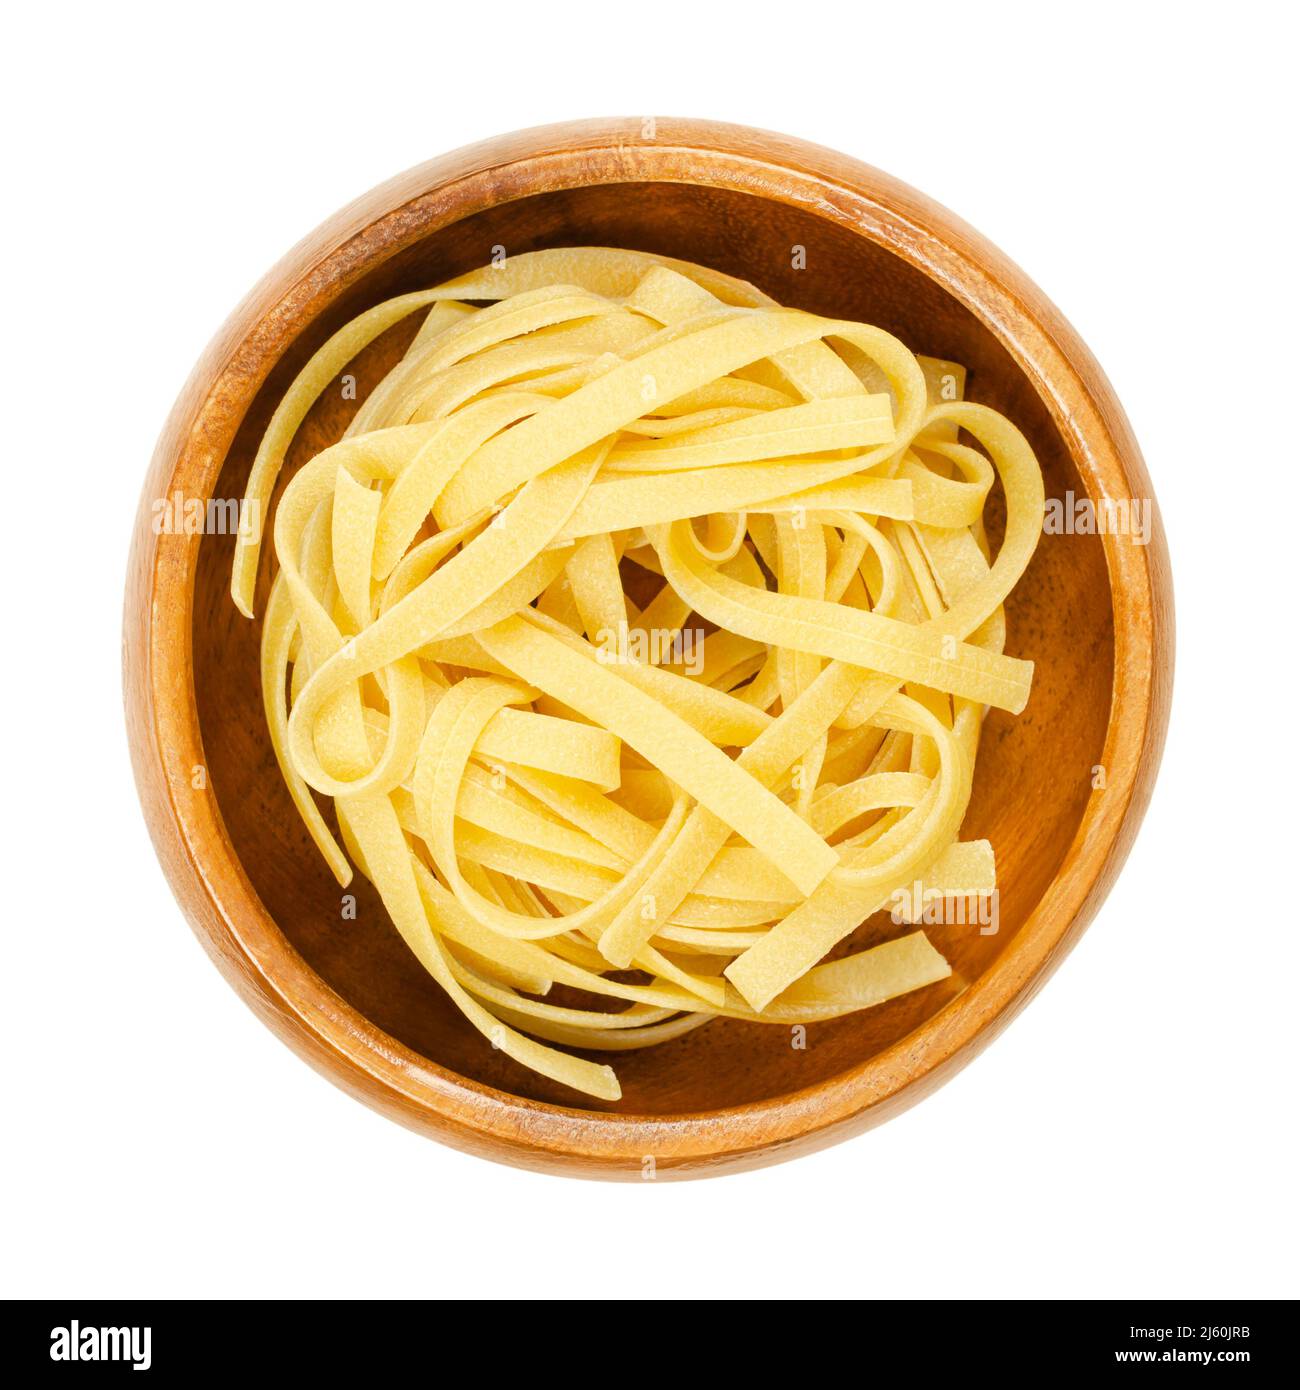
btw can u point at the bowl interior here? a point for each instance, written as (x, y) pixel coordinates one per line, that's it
(1034, 772)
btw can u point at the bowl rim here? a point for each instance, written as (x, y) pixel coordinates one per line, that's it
(162, 718)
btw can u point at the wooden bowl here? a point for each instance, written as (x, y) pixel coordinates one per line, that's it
(1059, 790)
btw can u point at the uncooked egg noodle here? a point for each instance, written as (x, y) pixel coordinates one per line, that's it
(678, 810)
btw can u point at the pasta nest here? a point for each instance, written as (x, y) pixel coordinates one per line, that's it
(640, 630)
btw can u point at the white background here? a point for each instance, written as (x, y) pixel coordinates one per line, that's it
(1133, 1133)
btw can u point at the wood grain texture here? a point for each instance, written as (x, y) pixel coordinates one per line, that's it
(1094, 613)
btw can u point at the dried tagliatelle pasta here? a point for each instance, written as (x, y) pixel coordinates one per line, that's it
(640, 630)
